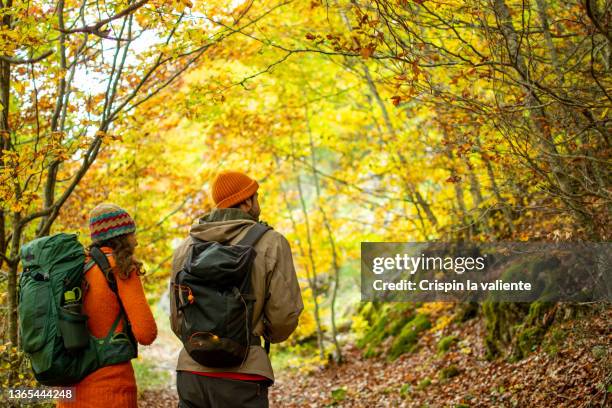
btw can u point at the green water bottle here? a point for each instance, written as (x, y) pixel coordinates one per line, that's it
(72, 323)
(71, 300)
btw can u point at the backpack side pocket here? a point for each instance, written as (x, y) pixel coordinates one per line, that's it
(33, 313)
(73, 327)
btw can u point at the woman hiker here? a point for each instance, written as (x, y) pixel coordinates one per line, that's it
(113, 232)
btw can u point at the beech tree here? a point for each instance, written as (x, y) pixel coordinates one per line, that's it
(70, 72)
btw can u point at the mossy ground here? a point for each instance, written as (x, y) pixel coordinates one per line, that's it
(407, 339)
(386, 321)
(445, 343)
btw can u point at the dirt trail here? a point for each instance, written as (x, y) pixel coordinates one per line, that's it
(162, 355)
(577, 374)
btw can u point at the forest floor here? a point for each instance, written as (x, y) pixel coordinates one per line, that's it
(571, 368)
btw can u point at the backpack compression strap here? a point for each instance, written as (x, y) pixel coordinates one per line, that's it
(250, 239)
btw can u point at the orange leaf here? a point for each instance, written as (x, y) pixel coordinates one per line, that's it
(366, 52)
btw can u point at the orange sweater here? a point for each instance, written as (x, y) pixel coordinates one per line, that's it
(115, 385)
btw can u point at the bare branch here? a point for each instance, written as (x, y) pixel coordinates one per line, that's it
(95, 28)
(591, 12)
(18, 61)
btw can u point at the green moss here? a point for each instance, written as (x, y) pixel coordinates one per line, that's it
(514, 326)
(537, 310)
(501, 321)
(530, 333)
(397, 326)
(528, 340)
(368, 310)
(405, 390)
(371, 352)
(599, 352)
(149, 376)
(448, 372)
(552, 343)
(424, 383)
(466, 312)
(375, 335)
(389, 320)
(338, 395)
(409, 335)
(557, 336)
(445, 343)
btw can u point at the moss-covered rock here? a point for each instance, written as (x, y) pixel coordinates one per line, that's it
(387, 322)
(528, 341)
(516, 329)
(448, 372)
(554, 340)
(406, 340)
(466, 311)
(501, 321)
(375, 334)
(371, 351)
(537, 312)
(368, 310)
(503, 316)
(445, 343)
(530, 333)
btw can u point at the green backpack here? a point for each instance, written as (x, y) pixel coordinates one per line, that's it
(54, 337)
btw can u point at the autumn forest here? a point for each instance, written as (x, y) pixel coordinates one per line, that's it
(362, 120)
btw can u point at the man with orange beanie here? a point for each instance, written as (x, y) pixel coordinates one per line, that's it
(277, 306)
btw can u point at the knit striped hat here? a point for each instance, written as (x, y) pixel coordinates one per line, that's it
(232, 187)
(109, 221)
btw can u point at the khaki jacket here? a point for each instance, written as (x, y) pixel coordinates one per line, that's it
(278, 301)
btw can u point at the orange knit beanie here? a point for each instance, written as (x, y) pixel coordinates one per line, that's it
(232, 187)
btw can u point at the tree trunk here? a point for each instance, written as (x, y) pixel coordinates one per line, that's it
(412, 189)
(12, 278)
(537, 115)
(454, 175)
(5, 134)
(500, 199)
(312, 278)
(420, 201)
(330, 238)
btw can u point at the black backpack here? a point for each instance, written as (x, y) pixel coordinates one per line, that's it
(213, 291)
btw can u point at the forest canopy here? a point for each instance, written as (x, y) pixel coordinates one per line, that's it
(362, 120)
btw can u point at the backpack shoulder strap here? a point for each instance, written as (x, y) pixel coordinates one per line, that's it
(250, 239)
(254, 234)
(101, 260)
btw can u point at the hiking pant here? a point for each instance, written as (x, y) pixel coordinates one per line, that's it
(199, 391)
